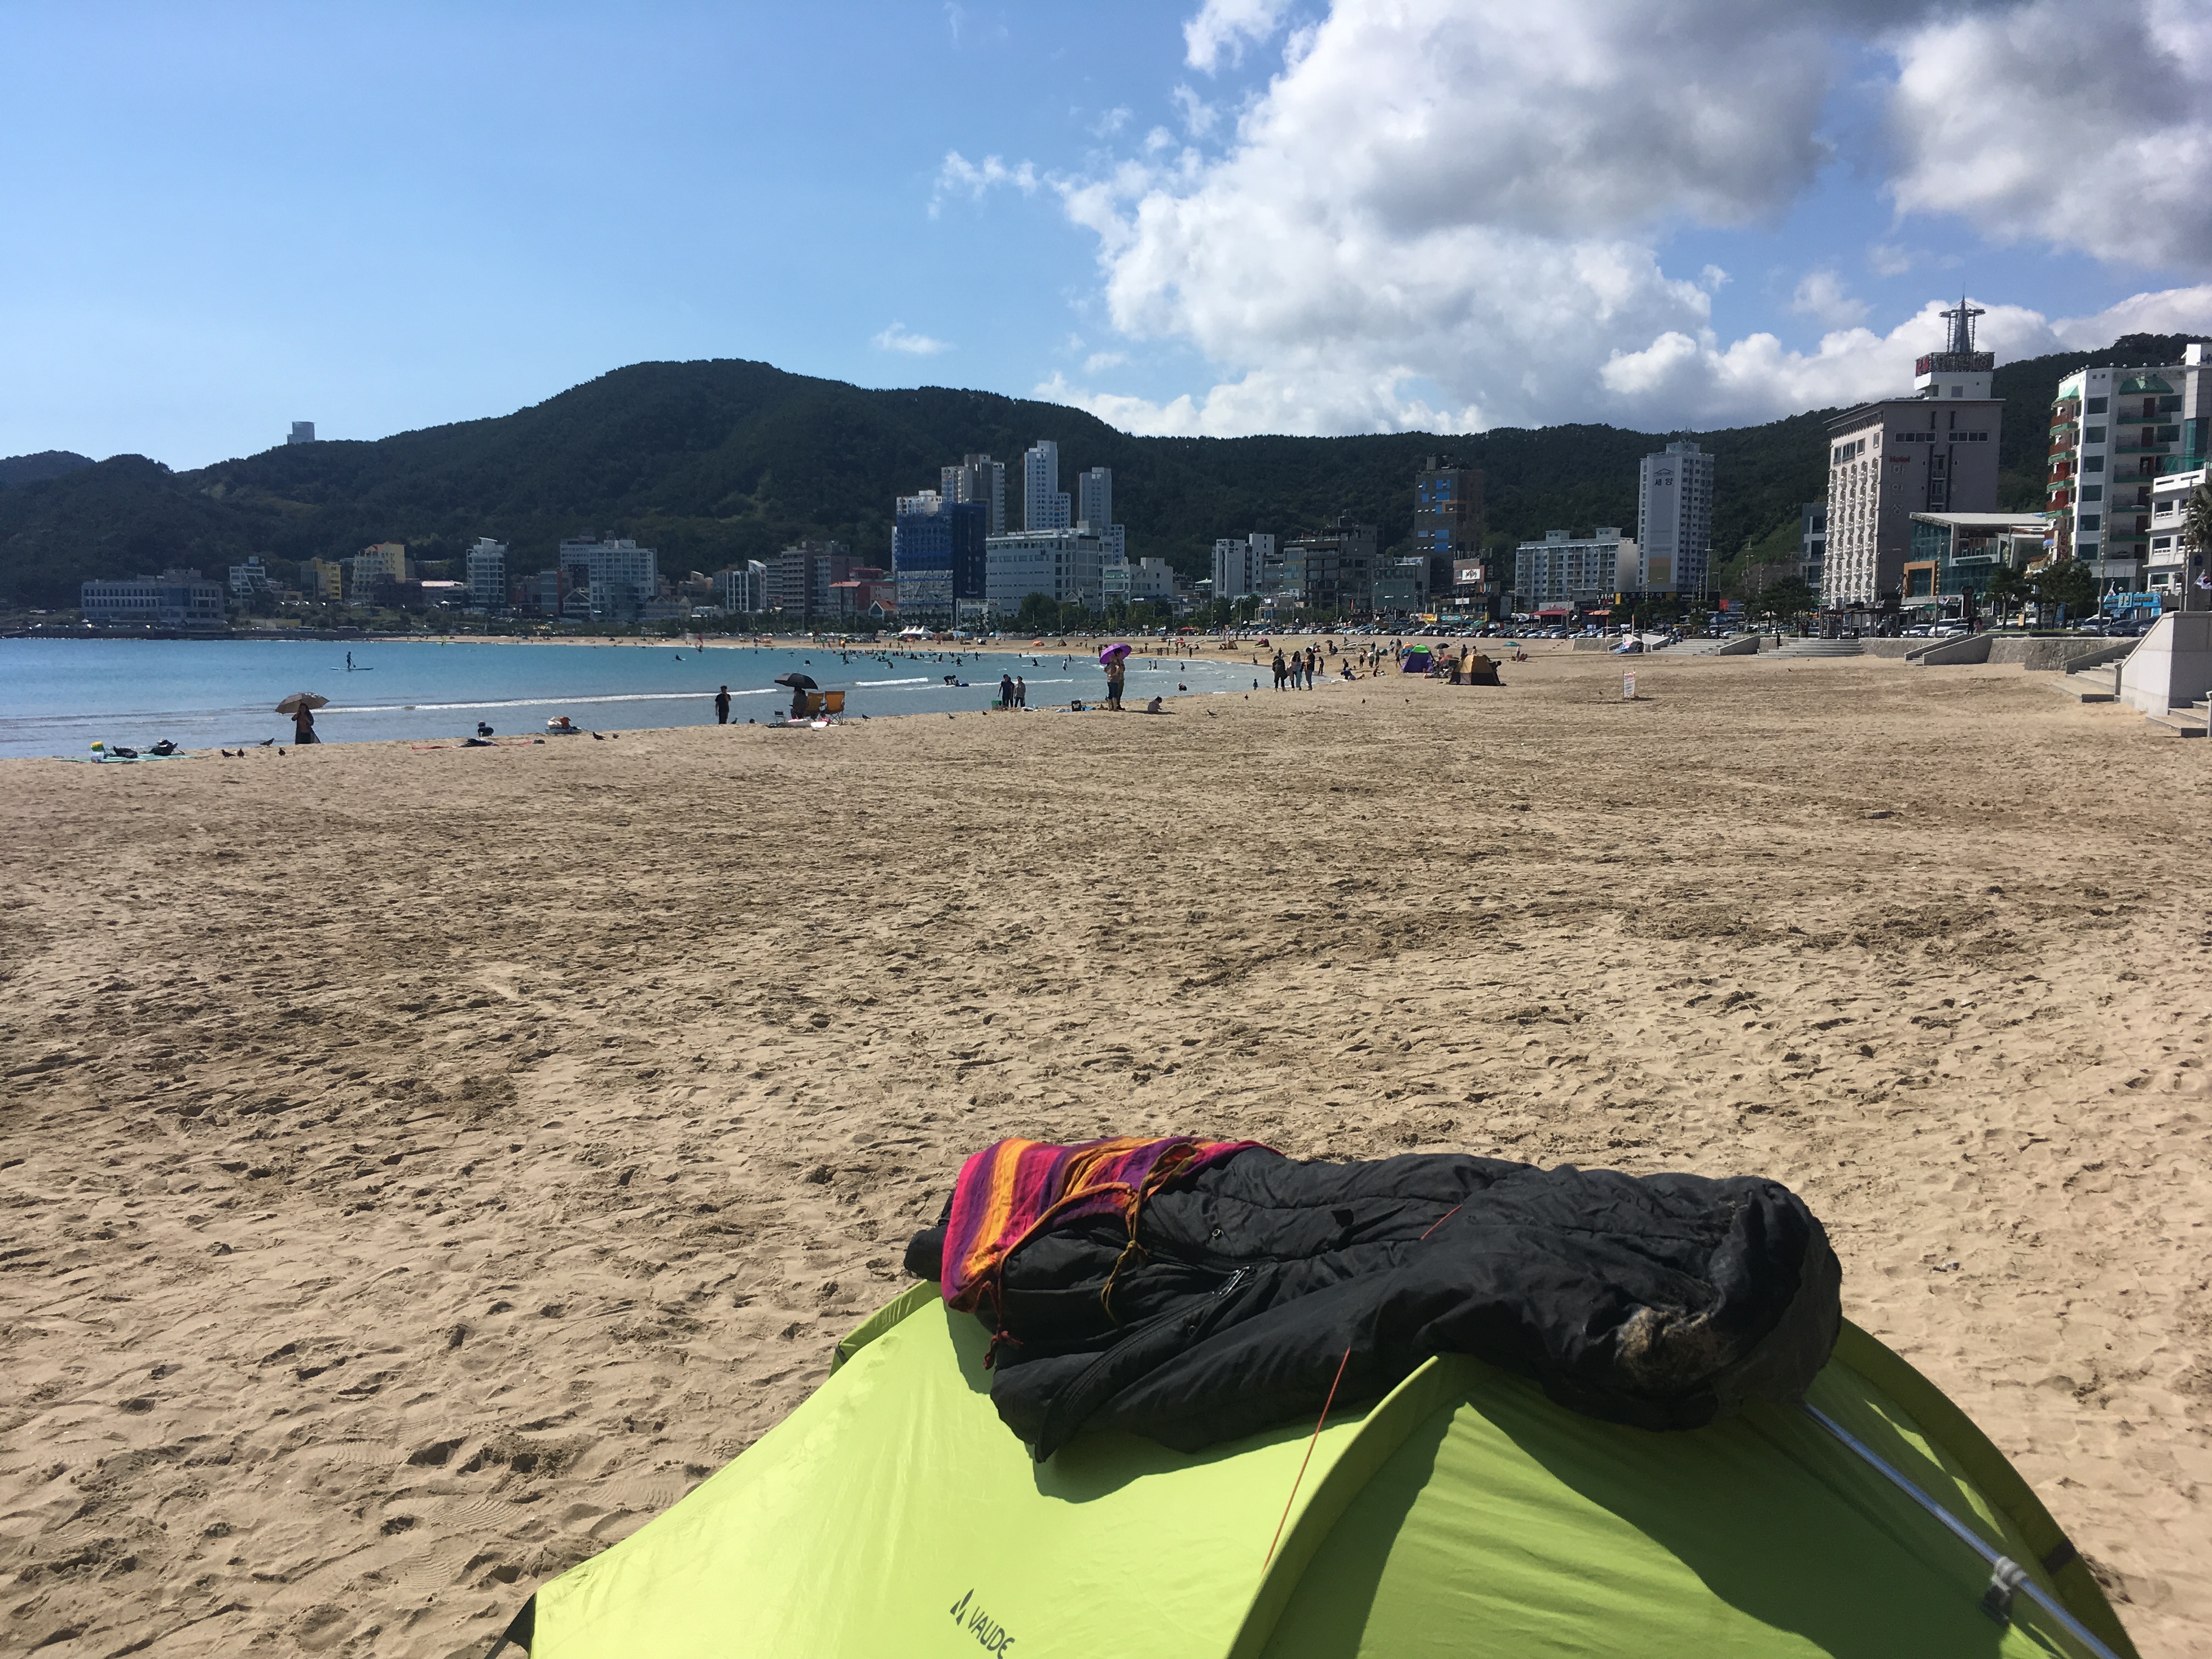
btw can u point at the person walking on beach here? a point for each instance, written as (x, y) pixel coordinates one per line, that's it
(722, 707)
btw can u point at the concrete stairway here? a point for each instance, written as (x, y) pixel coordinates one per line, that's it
(1821, 648)
(1743, 645)
(2190, 722)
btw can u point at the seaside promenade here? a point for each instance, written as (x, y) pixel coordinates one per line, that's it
(421, 1167)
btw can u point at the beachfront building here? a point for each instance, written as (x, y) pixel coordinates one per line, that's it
(250, 581)
(2116, 434)
(324, 579)
(1812, 542)
(867, 596)
(2171, 567)
(800, 576)
(938, 566)
(1331, 572)
(1936, 451)
(1565, 573)
(374, 574)
(1447, 532)
(1401, 585)
(1065, 566)
(177, 597)
(1094, 510)
(618, 578)
(1137, 582)
(1244, 566)
(1674, 520)
(742, 589)
(303, 432)
(1044, 503)
(981, 480)
(486, 564)
(1954, 555)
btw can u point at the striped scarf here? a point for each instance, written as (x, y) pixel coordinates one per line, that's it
(1014, 1189)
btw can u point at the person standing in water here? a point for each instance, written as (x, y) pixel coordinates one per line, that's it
(348, 662)
(722, 707)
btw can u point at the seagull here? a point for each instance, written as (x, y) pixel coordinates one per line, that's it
(265, 742)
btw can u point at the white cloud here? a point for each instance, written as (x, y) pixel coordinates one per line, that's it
(1821, 293)
(1448, 214)
(1098, 361)
(899, 338)
(2083, 126)
(958, 176)
(1223, 28)
(1198, 115)
(1888, 259)
(1112, 122)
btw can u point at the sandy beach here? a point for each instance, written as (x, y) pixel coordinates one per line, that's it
(421, 1166)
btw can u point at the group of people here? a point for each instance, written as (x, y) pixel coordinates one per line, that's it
(1013, 691)
(1297, 672)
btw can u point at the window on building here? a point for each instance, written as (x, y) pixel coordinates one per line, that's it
(2097, 405)
(2093, 492)
(2092, 520)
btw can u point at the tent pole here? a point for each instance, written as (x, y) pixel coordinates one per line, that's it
(2006, 1575)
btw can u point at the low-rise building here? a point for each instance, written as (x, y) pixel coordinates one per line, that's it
(324, 579)
(1401, 585)
(178, 597)
(1955, 554)
(250, 581)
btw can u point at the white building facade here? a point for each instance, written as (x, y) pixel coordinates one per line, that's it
(175, 598)
(1565, 571)
(621, 577)
(2183, 468)
(1044, 503)
(1244, 565)
(1066, 566)
(1674, 520)
(486, 567)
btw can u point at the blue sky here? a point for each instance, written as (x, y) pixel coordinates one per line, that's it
(1227, 216)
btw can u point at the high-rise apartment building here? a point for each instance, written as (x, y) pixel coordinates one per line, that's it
(1674, 520)
(2117, 434)
(937, 559)
(2172, 567)
(1936, 451)
(1044, 503)
(1094, 497)
(801, 577)
(1245, 565)
(486, 565)
(742, 589)
(1447, 532)
(980, 479)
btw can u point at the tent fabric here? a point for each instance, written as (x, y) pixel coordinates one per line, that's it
(1664, 1301)
(1462, 1514)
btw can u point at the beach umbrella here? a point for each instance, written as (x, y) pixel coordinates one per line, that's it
(299, 700)
(798, 682)
(1113, 653)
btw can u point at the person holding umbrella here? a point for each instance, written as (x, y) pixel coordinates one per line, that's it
(1115, 659)
(301, 706)
(800, 684)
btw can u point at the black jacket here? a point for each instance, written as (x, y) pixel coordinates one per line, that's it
(1663, 1301)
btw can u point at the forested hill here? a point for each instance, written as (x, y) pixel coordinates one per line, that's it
(721, 460)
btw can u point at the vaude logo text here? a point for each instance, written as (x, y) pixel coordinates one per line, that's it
(990, 1635)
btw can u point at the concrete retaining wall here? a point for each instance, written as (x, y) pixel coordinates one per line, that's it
(1967, 648)
(2058, 652)
(1744, 645)
(1891, 647)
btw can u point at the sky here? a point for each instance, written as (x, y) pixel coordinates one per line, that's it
(1216, 216)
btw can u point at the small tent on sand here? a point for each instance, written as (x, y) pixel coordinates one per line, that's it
(892, 1516)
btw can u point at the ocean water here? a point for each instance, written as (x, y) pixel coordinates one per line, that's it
(60, 696)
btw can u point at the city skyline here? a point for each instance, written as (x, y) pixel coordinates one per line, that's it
(1189, 223)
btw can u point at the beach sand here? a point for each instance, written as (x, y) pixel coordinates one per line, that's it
(423, 1166)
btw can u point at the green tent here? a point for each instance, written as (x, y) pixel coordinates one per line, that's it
(893, 1516)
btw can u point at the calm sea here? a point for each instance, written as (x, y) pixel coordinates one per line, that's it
(60, 696)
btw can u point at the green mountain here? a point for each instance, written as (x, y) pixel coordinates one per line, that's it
(721, 460)
(46, 464)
